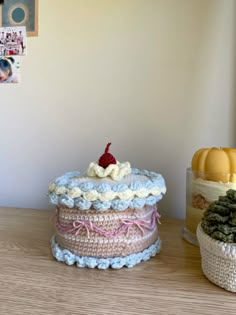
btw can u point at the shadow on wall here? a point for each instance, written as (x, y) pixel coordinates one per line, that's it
(213, 90)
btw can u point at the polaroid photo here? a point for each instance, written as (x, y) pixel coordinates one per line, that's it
(9, 69)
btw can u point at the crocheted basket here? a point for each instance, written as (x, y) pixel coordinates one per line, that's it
(218, 260)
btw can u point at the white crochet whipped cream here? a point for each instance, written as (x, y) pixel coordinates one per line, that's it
(115, 171)
(211, 190)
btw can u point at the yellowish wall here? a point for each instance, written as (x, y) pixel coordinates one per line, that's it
(154, 77)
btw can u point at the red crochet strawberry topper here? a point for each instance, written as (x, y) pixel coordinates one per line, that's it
(107, 158)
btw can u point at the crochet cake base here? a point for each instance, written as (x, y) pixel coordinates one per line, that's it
(64, 255)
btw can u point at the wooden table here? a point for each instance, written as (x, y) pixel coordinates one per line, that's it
(33, 282)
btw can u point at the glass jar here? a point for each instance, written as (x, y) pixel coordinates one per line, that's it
(201, 190)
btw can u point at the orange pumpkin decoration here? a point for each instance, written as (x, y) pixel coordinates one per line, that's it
(215, 164)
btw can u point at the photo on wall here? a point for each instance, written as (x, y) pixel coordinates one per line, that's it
(9, 69)
(13, 41)
(20, 13)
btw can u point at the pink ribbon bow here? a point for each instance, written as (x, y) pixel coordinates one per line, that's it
(76, 226)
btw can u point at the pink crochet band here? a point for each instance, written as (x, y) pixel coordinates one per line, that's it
(75, 227)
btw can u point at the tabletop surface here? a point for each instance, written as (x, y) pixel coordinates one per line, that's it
(33, 282)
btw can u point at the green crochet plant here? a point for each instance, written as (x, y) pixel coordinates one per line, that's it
(219, 220)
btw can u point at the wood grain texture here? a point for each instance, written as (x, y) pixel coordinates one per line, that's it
(33, 282)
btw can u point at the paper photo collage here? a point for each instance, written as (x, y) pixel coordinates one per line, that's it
(13, 45)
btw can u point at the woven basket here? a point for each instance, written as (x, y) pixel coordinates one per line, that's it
(218, 260)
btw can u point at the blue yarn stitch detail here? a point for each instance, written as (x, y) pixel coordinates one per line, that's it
(82, 203)
(102, 188)
(87, 186)
(119, 187)
(54, 198)
(120, 204)
(102, 205)
(64, 255)
(63, 180)
(67, 201)
(136, 185)
(137, 202)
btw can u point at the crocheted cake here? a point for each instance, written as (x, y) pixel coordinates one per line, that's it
(108, 216)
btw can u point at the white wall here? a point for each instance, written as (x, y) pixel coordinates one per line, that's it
(154, 77)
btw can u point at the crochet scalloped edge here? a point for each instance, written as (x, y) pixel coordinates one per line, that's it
(64, 255)
(154, 179)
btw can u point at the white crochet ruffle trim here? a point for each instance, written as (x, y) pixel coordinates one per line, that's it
(218, 260)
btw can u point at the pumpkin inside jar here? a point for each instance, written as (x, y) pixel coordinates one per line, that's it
(215, 164)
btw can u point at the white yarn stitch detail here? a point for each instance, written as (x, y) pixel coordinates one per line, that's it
(75, 192)
(115, 171)
(52, 187)
(60, 190)
(107, 196)
(104, 217)
(218, 260)
(93, 195)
